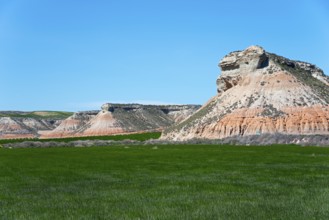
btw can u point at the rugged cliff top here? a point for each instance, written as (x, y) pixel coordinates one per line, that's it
(255, 61)
(113, 106)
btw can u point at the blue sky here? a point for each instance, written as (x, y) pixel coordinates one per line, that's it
(77, 54)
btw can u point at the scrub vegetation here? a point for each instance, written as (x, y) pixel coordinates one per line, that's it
(136, 137)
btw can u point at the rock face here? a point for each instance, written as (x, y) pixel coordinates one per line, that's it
(70, 125)
(121, 118)
(25, 125)
(260, 92)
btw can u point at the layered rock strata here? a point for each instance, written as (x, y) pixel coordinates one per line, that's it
(120, 119)
(21, 127)
(260, 92)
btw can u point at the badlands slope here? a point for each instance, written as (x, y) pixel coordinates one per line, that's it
(17, 124)
(112, 119)
(258, 93)
(120, 119)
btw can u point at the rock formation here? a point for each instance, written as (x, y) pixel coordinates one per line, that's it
(70, 125)
(260, 92)
(14, 124)
(121, 118)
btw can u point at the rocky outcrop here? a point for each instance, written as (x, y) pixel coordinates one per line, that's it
(25, 124)
(260, 92)
(112, 119)
(10, 128)
(70, 125)
(121, 118)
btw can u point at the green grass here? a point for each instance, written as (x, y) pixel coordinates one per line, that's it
(137, 137)
(170, 182)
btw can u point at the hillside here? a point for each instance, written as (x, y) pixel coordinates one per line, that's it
(260, 92)
(121, 119)
(18, 124)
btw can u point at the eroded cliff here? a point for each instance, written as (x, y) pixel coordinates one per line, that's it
(121, 118)
(17, 124)
(260, 92)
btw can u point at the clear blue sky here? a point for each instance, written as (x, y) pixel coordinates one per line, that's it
(76, 54)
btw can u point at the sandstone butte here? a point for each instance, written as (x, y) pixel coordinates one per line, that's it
(260, 92)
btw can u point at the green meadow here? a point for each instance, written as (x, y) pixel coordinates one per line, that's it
(165, 182)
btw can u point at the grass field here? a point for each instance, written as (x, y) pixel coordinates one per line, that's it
(165, 182)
